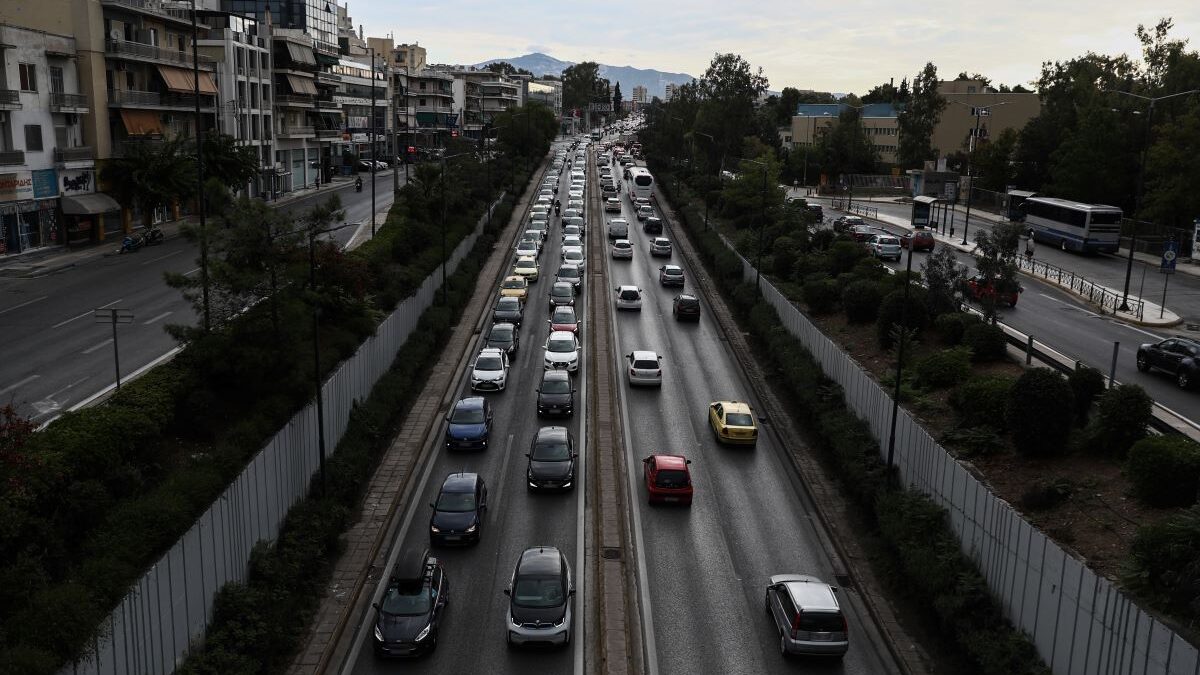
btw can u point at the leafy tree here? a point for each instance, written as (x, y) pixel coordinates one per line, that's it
(846, 149)
(506, 68)
(526, 131)
(234, 165)
(887, 93)
(918, 119)
(785, 105)
(996, 259)
(993, 161)
(964, 77)
(1172, 172)
(151, 174)
(579, 85)
(743, 197)
(816, 97)
(944, 280)
(616, 100)
(1081, 166)
(728, 92)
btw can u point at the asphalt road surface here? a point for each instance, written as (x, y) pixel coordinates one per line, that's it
(57, 355)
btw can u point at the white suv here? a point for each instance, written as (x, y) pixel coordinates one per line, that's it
(490, 370)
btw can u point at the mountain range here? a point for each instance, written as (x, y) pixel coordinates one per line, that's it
(655, 81)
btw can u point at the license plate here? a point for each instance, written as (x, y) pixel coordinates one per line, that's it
(670, 499)
(821, 637)
(451, 537)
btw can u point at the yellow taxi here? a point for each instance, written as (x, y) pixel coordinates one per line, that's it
(733, 422)
(514, 287)
(526, 267)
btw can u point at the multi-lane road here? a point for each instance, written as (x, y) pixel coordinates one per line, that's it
(57, 355)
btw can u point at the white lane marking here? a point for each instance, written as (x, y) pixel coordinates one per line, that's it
(23, 304)
(160, 317)
(191, 272)
(23, 382)
(580, 517)
(1101, 316)
(161, 257)
(94, 347)
(56, 393)
(60, 324)
(50, 404)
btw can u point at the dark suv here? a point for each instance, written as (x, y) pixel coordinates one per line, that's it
(540, 599)
(408, 616)
(1179, 356)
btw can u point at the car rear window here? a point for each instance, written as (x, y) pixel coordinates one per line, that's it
(645, 364)
(629, 295)
(671, 478)
(739, 420)
(821, 622)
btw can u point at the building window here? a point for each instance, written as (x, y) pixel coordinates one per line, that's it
(56, 79)
(33, 138)
(28, 76)
(421, 102)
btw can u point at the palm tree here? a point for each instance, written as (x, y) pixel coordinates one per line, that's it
(150, 175)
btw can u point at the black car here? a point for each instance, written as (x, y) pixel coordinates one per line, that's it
(540, 606)
(508, 310)
(469, 424)
(505, 337)
(551, 460)
(815, 209)
(652, 225)
(458, 510)
(555, 395)
(686, 306)
(408, 616)
(1179, 356)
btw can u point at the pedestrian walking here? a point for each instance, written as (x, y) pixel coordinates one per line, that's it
(1029, 244)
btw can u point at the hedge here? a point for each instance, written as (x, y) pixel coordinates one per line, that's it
(1122, 415)
(861, 301)
(1164, 470)
(1039, 413)
(987, 342)
(982, 401)
(944, 369)
(1164, 565)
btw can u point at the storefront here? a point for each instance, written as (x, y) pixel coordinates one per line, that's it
(28, 211)
(85, 210)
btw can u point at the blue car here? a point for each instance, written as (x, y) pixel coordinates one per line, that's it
(469, 425)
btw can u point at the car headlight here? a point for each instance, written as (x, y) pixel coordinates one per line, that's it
(472, 528)
(561, 621)
(424, 633)
(378, 634)
(513, 620)
(434, 528)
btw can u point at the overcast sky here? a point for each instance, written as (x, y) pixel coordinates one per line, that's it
(841, 46)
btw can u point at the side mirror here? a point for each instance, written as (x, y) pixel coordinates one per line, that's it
(527, 454)
(432, 505)
(376, 606)
(506, 591)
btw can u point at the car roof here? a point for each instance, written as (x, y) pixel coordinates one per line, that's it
(735, 406)
(644, 354)
(527, 260)
(460, 482)
(508, 300)
(555, 375)
(515, 277)
(491, 351)
(628, 288)
(671, 462)
(560, 285)
(470, 402)
(410, 570)
(563, 334)
(619, 242)
(687, 297)
(672, 268)
(540, 561)
(808, 592)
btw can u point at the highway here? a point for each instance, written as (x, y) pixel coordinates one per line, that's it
(472, 637)
(707, 566)
(57, 355)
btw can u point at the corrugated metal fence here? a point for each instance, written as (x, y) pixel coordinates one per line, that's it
(1080, 622)
(151, 630)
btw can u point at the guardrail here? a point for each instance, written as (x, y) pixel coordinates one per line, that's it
(1080, 285)
(862, 210)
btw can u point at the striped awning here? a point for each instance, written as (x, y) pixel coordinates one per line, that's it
(301, 55)
(141, 122)
(301, 85)
(180, 81)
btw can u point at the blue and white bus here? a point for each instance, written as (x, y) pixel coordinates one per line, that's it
(641, 183)
(1085, 228)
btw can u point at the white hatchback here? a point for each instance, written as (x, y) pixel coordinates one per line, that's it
(645, 367)
(629, 297)
(622, 249)
(490, 370)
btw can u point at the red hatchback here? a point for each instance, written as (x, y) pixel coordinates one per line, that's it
(918, 240)
(982, 288)
(668, 480)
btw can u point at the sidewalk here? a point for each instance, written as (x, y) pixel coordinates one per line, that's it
(1150, 310)
(51, 259)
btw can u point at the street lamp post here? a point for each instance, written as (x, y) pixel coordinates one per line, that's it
(374, 143)
(200, 172)
(979, 112)
(900, 356)
(316, 336)
(1137, 204)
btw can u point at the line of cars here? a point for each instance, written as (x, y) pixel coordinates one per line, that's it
(541, 589)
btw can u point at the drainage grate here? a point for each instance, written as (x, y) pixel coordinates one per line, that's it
(611, 554)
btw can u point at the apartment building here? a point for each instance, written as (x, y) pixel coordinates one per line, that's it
(362, 92)
(548, 93)
(639, 95)
(670, 91)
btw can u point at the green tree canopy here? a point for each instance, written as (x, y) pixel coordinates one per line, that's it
(152, 174)
(233, 164)
(579, 85)
(918, 119)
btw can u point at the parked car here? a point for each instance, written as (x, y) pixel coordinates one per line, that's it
(469, 424)
(629, 297)
(540, 599)
(733, 422)
(844, 223)
(982, 289)
(884, 246)
(1179, 356)
(668, 480)
(806, 615)
(918, 240)
(645, 367)
(685, 306)
(555, 394)
(458, 510)
(670, 275)
(552, 458)
(408, 616)
(861, 233)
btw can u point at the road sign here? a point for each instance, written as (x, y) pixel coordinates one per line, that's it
(1169, 256)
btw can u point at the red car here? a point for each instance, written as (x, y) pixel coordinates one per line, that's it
(919, 240)
(668, 479)
(861, 233)
(982, 288)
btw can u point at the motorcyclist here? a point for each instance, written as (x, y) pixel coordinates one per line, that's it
(557, 207)
(358, 184)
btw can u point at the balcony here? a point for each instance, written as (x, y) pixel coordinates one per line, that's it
(123, 148)
(294, 100)
(137, 51)
(327, 103)
(128, 98)
(153, 8)
(69, 103)
(328, 78)
(74, 156)
(10, 99)
(329, 133)
(12, 157)
(444, 109)
(289, 131)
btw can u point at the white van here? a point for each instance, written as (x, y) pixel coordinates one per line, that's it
(618, 228)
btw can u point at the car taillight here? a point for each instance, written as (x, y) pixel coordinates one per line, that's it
(658, 372)
(845, 626)
(795, 624)
(632, 372)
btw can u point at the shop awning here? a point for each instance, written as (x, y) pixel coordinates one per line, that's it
(82, 205)
(301, 85)
(208, 85)
(301, 55)
(180, 81)
(141, 122)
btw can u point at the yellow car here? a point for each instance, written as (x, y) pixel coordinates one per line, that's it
(514, 287)
(732, 422)
(526, 267)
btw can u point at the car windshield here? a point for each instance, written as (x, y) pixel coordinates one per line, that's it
(560, 345)
(551, 450)
(508, 304)
(456, 502)
(563, 316)
(739, 420)
(489, 363)
(538, 592)
(556, 387)
(405, 601)
(671, 478)
(573, 255)
(467, 416)
(562, 291)
(514, 283)
(570, 272)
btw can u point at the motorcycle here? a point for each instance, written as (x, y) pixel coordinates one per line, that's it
(131, 243)
(152, 235)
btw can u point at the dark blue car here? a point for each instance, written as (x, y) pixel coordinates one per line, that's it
(469, 424)
(458, 510)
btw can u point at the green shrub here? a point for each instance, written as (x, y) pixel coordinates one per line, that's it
(951, 326)
(1086, 383)
(1164, 565)
(973, 441)
(820, 296)
(1040, 407)
(1164, 470)
(1047, 494)
(944, 369)
(861, 301)
(982, 400)
(822, 239)
(1122, 414)
(986, 341)
(891, 309)
(870, 268)
(843, 256)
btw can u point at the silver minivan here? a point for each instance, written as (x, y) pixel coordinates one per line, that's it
(807, 616)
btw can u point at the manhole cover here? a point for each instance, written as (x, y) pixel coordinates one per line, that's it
(611, 554)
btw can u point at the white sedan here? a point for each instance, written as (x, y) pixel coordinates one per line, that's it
(573, 256)
(562, 351)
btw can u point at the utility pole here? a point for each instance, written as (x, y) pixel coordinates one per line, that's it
(374, 143)
(200, 173)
